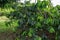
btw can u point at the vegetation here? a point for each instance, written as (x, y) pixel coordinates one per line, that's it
(40, 21)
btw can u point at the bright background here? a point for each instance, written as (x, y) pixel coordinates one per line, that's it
(54, 2)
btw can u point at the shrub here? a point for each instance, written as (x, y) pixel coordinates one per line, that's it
(35, 22)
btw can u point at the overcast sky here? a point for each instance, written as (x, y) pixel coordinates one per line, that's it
(54, 2)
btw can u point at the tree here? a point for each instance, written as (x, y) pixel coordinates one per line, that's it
(33, 21)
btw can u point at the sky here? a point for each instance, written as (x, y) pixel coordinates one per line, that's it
(54, 2)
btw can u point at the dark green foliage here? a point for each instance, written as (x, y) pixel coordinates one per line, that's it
(37, 21)
(3, 2)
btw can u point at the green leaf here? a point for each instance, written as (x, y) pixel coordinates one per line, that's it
(38, 25)
(40, 18)
(24, 33)
(30, 32)
(51, 30)
(38, 38)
